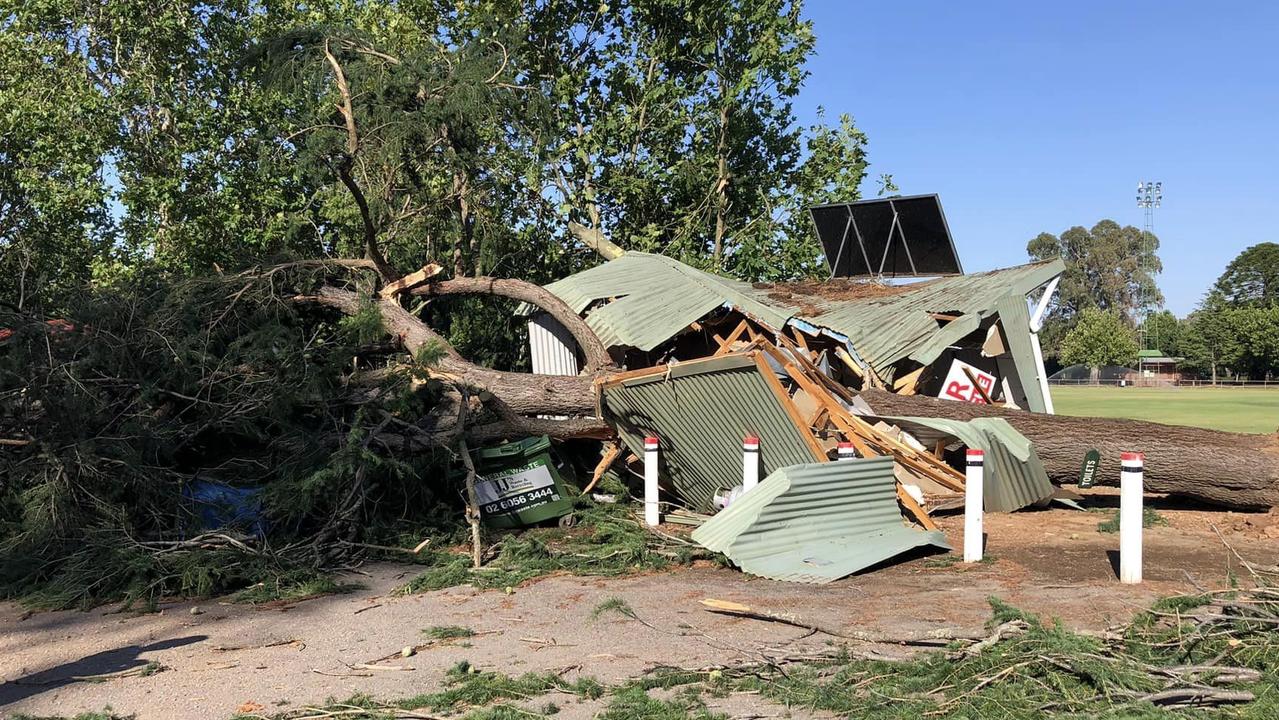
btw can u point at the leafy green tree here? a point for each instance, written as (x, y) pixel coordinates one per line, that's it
(1100, 337)
(676, 134)
(55, 131)
(1235, 327)
(1251, 279)
(1163, 332)
(1109, 267)
(663, 127)
(1257, 346)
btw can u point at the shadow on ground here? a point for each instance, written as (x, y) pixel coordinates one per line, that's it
(87, 669)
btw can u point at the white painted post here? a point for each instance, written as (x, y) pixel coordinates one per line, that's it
(750, 463)
(846, 451)
(1130, 517)
(652, 514)
(974, 485)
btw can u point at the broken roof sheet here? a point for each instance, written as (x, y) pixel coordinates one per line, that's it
(816, 523)
(701, 410)
(658, 297)
(1014, 476)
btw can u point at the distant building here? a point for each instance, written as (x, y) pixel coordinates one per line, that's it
(1154, 367)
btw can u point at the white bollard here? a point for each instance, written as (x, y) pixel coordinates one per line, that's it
(652, 513)
(1130, 517)
(974, 485)
(750, 463)
(847, 451)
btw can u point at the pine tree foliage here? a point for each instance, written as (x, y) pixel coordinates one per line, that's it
(147, 391)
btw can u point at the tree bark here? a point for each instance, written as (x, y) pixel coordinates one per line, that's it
(519, 393)
(597, 356)
(516, 398)
(1233, 470)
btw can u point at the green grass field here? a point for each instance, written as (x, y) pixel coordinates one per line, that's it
(1252, 410)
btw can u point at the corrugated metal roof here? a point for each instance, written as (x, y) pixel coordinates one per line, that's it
(658, 297)
(701, 410)
(1014, 477)
(816, 523)
(886, 329)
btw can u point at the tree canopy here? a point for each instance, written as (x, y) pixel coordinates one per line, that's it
(1235, 329)
(1251, 279)
(1099, 337)
(501, 137)
(213, 203)
(1108, 267)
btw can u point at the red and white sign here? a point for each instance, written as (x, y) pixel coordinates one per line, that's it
(958, 387)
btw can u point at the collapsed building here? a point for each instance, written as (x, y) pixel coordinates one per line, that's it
(651, 309)
(710, 360)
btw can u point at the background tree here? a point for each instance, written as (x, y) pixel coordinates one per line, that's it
(55, 132)
(1108, 267)
(1251, 279)
(1163, 332)
(1235, 327)
(1099, 337)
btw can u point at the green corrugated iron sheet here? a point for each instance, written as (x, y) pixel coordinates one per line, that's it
(815, 523)
(701, 410)
(1014, 477)
(658, 297)
(1015, 316)
(884, 330)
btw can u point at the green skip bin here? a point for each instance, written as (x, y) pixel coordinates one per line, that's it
(518, 484)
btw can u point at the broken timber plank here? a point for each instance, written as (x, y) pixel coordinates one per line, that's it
(819, 453)
(914, 509)
(906, 384)
(977, 386)
(610, 456)
(727, 345)
(851, 425)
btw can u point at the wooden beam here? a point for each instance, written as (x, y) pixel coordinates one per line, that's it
(906, 384)
(814, 445)
(934, 468)
(799, 337)
(727, 345)
(977, 386)
(914, 509)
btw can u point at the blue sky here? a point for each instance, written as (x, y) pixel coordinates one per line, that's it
(1029, 117)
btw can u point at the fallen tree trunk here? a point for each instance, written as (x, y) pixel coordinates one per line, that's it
(516, 398)
(1233, 470)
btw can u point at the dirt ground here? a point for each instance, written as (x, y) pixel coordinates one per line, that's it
(1052, 562)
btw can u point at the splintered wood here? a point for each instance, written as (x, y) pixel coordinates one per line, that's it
(819, 406)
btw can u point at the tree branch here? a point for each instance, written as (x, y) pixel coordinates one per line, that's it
(596, 354)
(346, 110)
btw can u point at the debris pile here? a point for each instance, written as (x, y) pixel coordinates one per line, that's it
(810, 373)
(708, 362)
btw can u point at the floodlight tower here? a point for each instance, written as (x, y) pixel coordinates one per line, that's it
(1150, 196)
